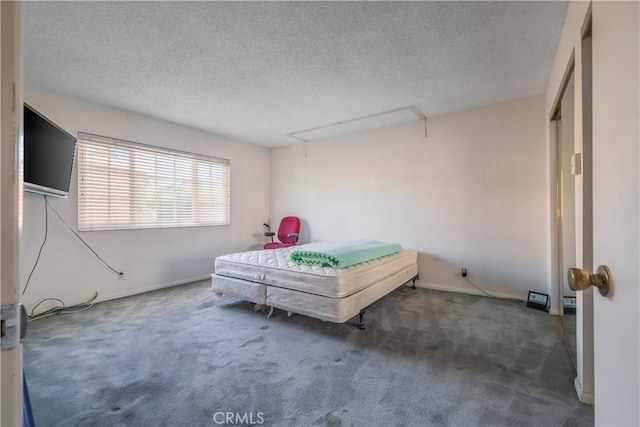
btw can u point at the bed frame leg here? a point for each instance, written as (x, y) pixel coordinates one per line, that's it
(270, 313)
(360, 320)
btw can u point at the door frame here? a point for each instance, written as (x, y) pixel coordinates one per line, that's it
(11, 397)
(578, 68)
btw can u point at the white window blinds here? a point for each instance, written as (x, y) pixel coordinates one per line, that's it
(124, 185)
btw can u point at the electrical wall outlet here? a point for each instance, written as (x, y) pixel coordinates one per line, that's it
(464, 272)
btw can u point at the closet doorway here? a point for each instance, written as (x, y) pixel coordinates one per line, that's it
(572, 174)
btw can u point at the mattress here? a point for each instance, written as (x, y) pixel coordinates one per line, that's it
(274, 268)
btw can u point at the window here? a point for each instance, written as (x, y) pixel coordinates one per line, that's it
(124, 185)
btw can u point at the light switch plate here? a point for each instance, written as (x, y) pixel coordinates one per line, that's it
(576, 164)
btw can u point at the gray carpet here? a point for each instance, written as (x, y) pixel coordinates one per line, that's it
(174, 358)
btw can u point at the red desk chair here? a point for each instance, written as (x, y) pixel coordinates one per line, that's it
(288, 233)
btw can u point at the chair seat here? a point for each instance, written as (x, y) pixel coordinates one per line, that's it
(277, 245)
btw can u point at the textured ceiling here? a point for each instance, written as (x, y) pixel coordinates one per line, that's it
(260, 71)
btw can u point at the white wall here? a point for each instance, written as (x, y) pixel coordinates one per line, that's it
(150, 258)
(472, 194)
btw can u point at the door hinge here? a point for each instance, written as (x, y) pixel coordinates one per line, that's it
(13, 325)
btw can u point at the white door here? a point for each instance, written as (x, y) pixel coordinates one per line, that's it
(616, 210)
(10, 202)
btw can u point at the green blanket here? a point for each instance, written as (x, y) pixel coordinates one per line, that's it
(344, 255)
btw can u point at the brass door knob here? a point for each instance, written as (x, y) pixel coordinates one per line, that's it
(579, 280)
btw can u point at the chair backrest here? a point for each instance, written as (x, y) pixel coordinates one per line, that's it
(289, 224)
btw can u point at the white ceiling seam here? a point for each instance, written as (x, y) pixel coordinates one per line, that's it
(361, 124)
(255, 71)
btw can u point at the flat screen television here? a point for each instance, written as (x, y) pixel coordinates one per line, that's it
(49, 153)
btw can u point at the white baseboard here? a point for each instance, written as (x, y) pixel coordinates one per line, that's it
(555, 312)
(583, 396)
(465, 290)
(447, 288)
(129, 293)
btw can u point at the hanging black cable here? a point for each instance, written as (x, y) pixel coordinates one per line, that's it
(46, 233)
(85, 243)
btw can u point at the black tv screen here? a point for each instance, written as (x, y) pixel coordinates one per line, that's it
(49, 152)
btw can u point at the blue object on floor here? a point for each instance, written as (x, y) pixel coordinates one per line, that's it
(27, 414)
